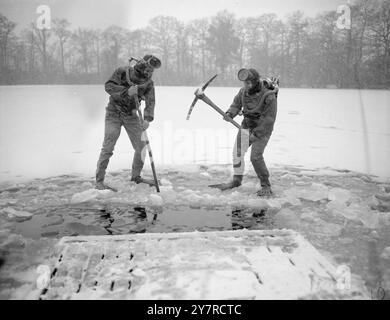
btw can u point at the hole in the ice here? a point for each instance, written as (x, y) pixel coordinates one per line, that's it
(95, 284)
(117, 256)
(78, 288)
(292, 262)
(112, 285)
(135, 220)
(53, 273)
(129, 287)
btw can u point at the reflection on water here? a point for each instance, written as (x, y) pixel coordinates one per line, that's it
(251, 218)
(113, 219)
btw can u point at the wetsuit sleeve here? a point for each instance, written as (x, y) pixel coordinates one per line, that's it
(268, 117)
(236, 106)
(115, 88)
(150, 101)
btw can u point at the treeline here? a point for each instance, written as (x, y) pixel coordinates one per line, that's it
(305, 52)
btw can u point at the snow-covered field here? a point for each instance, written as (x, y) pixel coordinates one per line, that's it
(51, 130)
(328, 159)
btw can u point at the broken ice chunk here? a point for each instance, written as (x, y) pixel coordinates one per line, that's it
(89, 195)
(165, 182)
(309, 215)
(315, 192)
(156, 200)
(205, 174)
(339, 194)
(16, 214)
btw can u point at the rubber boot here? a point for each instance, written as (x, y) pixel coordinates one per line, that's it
(236, 182)
(139, 180)
(101, 186)
(265, 191)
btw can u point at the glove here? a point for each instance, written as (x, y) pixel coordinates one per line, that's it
(133, 90)
(227, 117)
(145, 125)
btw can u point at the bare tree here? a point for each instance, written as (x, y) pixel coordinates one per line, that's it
(83, 40)
(97, 38)
(41, 39)
(297, 23)
(304, 51)
(379, 26)
(61, 31)
(6, 28)
(114, 39)
(162, 31)
(223, 41)
(199, 32)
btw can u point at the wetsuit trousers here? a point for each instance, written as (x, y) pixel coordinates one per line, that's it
(112, 129)
(246, 137)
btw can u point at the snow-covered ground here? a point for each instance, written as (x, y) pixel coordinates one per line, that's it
(52, 130)
(328, 159)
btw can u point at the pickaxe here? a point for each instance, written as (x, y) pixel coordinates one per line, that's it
(199, 94)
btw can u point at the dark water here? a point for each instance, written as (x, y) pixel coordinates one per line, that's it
(112, 219)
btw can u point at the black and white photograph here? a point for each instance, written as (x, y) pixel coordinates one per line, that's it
(178, 150)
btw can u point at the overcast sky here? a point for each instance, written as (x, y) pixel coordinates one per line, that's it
(135, 14)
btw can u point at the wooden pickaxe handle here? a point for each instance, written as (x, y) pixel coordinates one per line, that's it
(205, 99)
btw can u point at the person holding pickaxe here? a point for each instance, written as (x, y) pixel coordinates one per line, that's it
(127, 87)
(256, 100)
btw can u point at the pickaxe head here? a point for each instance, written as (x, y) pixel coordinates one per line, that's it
(198, 95)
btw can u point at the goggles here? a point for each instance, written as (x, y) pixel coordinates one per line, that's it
(245, 74)
(152, 62)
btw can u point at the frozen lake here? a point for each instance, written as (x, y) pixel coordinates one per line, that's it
(52, 130)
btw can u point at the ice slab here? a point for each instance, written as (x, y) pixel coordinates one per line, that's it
(272, 264)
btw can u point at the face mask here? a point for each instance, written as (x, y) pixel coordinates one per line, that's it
(247, 75)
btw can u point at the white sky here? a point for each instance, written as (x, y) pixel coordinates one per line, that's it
(134, 14)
